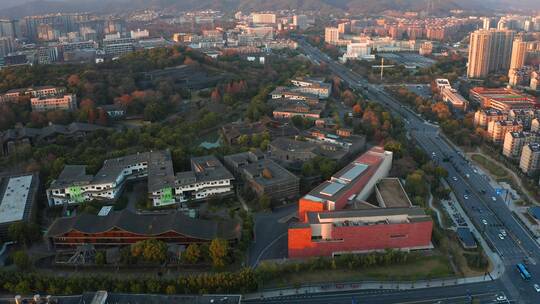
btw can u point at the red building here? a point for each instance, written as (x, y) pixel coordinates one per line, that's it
(124, 228)
(503, 99)
(360, 230)
(335, 219)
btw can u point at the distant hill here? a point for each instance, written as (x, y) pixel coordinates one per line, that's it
(18, 8)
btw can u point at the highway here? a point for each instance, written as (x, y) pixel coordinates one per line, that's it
(488, 211)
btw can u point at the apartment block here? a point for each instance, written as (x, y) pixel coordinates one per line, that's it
(483, 117)
(497, 129)
(529, 162)
(515, 141)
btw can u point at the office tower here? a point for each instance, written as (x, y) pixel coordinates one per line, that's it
(8, 28)
(489, 51)
(300, 21)
(331, 35)
(344, 27)
(486, 23)
(6, 46)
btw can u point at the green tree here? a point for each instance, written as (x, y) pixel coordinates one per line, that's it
(22, 260)
(24, 233)
(192, 254)
(219, 249)
(265, 201)
(100, 258)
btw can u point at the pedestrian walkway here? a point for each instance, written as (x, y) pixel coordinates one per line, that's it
(365, 285)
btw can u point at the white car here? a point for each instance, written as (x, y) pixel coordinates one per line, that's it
(465, 196)
(503, 232)
(484, 222)
(454, 178)
(493, 198)
(536, 287)
(501, 298)
(501, 236)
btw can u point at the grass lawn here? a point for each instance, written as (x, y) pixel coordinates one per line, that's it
(492, 167)
(424, 267)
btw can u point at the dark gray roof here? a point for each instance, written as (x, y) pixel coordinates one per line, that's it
(289, 144)
(50, 130)
(208, 168)
(112, 168)
(71, 175)
(160, 171)
(148, 225)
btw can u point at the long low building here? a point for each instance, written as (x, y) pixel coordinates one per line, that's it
(360, 230)
(18, 194)
(503, 99)
(124, 228)
(336, 219)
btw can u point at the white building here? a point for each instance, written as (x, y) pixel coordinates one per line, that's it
(207, 178)
(357, 50)
(139, 34)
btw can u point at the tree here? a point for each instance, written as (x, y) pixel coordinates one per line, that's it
(150, 250)
(24, 233)
(100, 258)
(219, 249)
(264, 201)
(22, 260)
(192, 254)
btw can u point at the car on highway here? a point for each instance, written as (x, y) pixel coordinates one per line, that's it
(465, 196)
(501, 298)
(484, 222)
(501, 236)
(503, 232)
(467, 175)
(454, 178)
(493, 198)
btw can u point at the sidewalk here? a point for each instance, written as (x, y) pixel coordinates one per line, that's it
(365, 285)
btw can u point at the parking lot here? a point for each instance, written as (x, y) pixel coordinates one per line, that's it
(408, 59)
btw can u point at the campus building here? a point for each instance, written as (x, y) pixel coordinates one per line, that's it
(312, 86)
(208, 177)
(120, 228)
(335, 219)
(264, 176)
(66, 102)
(503, 99)
(355, 181)
(18, 195)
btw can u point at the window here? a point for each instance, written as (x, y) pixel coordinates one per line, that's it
(398, 236)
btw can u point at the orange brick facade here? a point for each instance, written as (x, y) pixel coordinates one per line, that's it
(359, 239)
